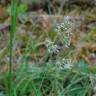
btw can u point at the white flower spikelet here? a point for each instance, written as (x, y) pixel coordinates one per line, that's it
(64, 64)
(64, 30)
(67, 63)
(52, 48)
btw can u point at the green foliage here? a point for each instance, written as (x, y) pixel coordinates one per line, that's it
(82, 66)
(48, 79)
(21, 9)
(21, 12)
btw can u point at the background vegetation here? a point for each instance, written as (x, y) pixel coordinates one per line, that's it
(47, 48)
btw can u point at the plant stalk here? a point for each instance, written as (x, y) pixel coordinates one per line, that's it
(12, 31)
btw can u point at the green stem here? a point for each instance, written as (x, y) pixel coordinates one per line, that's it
(13, 29)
